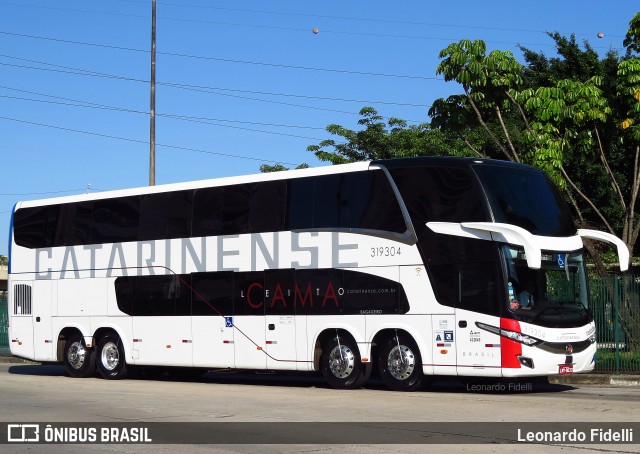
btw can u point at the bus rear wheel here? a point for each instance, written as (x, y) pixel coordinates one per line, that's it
(110, 357)
(341, 365)
(79, 360)
(400, 364)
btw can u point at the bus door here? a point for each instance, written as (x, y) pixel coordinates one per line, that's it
(477, 301)
(280, 326)
(43, 298)
(249, 321)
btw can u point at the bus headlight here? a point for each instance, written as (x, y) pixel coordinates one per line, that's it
(519, 337)
(509, 334)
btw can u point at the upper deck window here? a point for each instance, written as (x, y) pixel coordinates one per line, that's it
(526, 198)
(441, 194)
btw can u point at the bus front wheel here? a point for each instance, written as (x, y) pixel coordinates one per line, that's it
(79, 360)
(341, 365)
(110, 357)
(400, 364)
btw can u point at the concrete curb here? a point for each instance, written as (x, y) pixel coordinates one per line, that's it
(15, 360)
(622, 381)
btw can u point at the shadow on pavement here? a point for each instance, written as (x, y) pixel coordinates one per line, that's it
(311, 380)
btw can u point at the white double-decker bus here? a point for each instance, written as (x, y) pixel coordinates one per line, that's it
(419, 267)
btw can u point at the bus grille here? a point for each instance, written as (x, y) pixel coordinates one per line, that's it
(21, 299)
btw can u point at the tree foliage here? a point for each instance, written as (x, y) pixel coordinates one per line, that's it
(575, 115)
(579, 115)
(380, 139)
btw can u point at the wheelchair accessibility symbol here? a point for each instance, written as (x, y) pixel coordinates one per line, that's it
(228, 322)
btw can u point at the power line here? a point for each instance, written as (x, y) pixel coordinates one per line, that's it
(80, 103)
(198, 88)
(175, 117)
(225, 60)
(176, 147)
(314, 16)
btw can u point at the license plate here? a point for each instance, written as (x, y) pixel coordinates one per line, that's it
(565, 369)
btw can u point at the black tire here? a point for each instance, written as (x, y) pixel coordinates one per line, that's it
(341, 365)
(110, 357)
(79, 360)
(400, 364)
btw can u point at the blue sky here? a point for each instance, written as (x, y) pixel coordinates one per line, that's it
(247, 78)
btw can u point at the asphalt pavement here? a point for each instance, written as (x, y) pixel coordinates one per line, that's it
(623, 381)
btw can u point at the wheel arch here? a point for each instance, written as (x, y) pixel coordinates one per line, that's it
(63, 335)
(326, 334)
(100, 332)
(385, 333)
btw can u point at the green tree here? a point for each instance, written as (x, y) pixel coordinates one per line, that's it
(266, 168)
(4, 261)
(571, 123)
(377, 139)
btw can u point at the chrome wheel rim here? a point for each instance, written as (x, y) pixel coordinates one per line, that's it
(341, 361)
(76, 355)
(401, 362)
(110, 357)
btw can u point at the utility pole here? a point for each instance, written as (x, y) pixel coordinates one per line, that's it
(152, 125)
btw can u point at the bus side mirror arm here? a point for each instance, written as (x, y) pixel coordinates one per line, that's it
(506, 233)
(512, 234)
(623, 250)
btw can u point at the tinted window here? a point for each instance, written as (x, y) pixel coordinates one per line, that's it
(268, 206)
(382, 211)
(212, 293)
(280, 292)
(153, 295)
(166, 215)
(368, 294)
(115, 220)
(300, 203)
(478, 288)
(526, 198)
(361, 200)
(326, 201)
(465, 273)
(74, 224)
(221, 211)
(272, 292)
(251, 293)
(440, 194)
(318, 291)
(30, 227)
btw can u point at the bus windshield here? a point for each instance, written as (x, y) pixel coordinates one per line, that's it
(554, 296)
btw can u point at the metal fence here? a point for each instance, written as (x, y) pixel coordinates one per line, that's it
(4, 323)
(615, 302)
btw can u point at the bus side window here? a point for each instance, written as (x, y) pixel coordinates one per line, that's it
(115, 220)
(165, 215)
(300, 203)
(477, 288)
(268, 207)
(221, 211)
